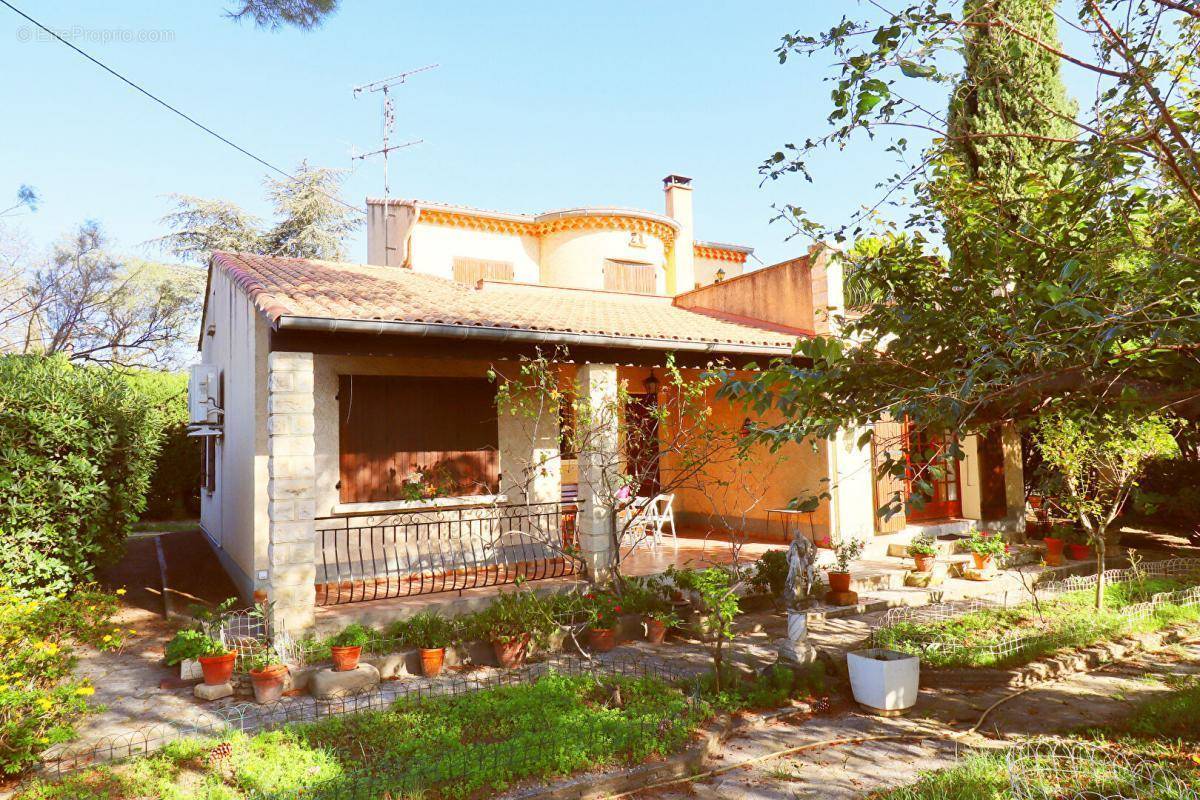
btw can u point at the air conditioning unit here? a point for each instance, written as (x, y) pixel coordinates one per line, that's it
(204, 395)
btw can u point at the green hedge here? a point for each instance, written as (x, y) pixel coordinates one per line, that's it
(174, 491)
(78, 445)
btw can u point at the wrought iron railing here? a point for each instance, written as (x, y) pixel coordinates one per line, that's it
(376, 556)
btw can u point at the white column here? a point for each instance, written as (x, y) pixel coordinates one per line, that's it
(852, 487)
(530, 469)
(598, 465)
(291, 490)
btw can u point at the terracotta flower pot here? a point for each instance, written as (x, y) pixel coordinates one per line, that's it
(982, 560)
(656, 631)
(839, 581)
(432, 659)
(1054, 550)
(1079, 552)
(217, 669)
(924, 563)
(602, 639)
(268, 682)
(346, 658)
(511, 653)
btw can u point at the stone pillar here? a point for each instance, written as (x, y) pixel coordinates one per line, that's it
(851, 487)
(1014, 479)
(599, 463)
(530, 470)
(291, 490)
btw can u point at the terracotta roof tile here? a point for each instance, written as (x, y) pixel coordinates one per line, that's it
(293, 287)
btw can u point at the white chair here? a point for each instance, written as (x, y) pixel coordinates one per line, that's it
(659, 516)
(636, 522)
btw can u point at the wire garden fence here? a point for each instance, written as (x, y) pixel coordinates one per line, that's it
(249, 717)
(1063, 769)
(929, 631)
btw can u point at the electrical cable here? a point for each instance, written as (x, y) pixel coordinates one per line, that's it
(172, 108)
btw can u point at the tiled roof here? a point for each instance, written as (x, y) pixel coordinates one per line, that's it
(294, 287)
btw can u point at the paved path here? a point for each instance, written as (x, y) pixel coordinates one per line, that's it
(852, 771)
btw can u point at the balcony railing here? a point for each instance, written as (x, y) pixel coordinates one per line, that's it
(376, 556)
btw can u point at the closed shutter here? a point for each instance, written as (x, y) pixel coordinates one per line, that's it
(473, 270)
(887, 437)
(392, 427)
(630, 276)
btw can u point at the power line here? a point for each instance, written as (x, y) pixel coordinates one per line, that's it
(172, 108)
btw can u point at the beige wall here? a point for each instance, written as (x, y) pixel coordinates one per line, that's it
(706, 269)
(433, 249)
(575, 258)
(235, 515)
(782, 294)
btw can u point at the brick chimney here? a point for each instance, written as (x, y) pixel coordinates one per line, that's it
(681, 276)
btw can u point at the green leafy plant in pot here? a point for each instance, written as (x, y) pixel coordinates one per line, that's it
(844, 554)
(1055, 541)
(923, 551)
(432, 634)
(216, 660)
(604, 615)
(267, 674)
(1078, 545)
(347, 646)
(985, 549)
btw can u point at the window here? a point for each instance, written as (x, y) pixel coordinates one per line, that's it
(473, 270)
(409, 438)
(630, 276)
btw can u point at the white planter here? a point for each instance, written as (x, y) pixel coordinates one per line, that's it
(884, 680)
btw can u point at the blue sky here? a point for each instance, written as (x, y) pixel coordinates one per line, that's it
(536, 106)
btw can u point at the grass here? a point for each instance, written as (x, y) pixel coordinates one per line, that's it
(1162, 731)
(1066, 621)
(453, 747)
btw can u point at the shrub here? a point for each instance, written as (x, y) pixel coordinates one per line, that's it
(39, 698)
(78, 446)
(353, 635)
(174, 490)
(770, 572)
(190, 643)
(427, 630)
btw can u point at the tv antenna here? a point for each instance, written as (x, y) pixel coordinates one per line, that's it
(389, 124)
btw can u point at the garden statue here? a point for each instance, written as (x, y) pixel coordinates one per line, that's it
(802, 574)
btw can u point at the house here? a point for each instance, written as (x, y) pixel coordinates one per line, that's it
(327, 392)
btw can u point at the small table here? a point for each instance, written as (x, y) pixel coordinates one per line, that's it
(790, 523)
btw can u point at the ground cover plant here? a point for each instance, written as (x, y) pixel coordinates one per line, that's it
(458, 746)
(988, 638)
(39, 698)
(1161, 731)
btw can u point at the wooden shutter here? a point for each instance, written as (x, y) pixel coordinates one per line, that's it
(473, 270)
(888, 436)
(993, 496)
(629, 276)
(390, 426)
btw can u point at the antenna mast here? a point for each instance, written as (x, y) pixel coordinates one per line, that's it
(389, 123)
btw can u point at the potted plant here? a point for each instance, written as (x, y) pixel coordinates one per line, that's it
(884, 681)
(216, 660)
(604, 610)
(1078, 546)
(658, 621)
(839, 574)
(432, 634)
(347, 646)
(267, 674)
(509, 624)
(1055, 540)
(985, 549)
(923, 551)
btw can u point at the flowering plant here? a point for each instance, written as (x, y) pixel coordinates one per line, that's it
(604, 610)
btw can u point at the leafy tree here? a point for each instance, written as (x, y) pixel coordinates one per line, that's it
(1092, 460)
(274, 14)
(92, 306)
(312, 222)
(27, 197)
(1057, 267)
(78, 446)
